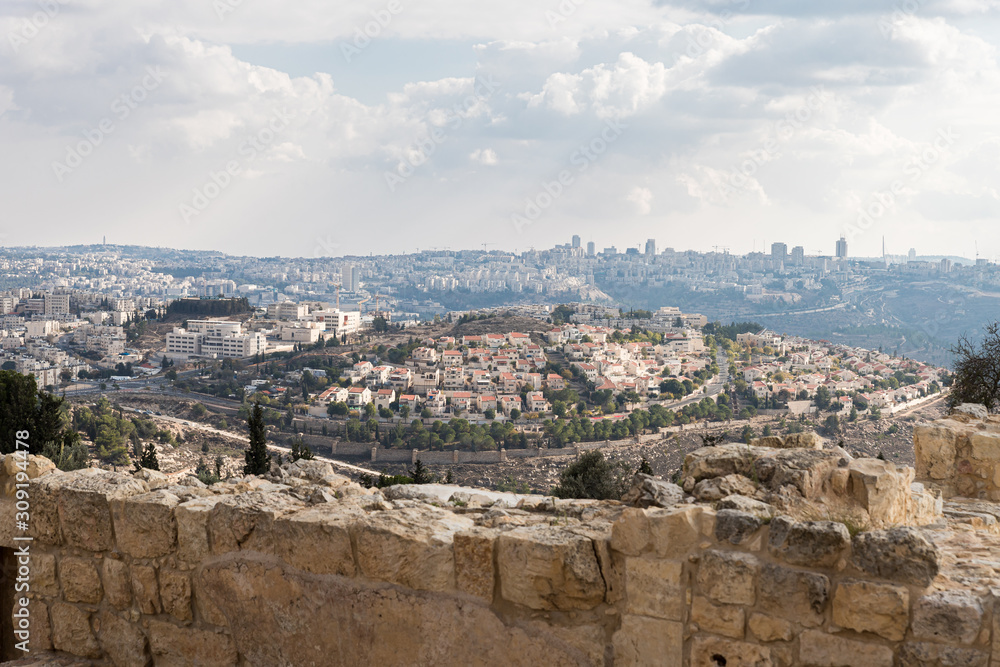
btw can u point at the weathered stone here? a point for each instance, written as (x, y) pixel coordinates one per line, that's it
(630, 533)
(32, 468)
(44, 525)
(123, 642)
(818, 649)
(314, 540)
(175, 593)
(804, 440)
(43, 574)
(882, 489)
(655, 587)
(79, 579)
(794, 595)
(934, 447)
(233, 520)
(676, 531)
(769, 628)
(762, 511)
(867, 606)
(725, 620)
(145, 525)
(714, 651)
(808, 543)
(773, 441)
(642, 641)
(191, 518)
(804, 469)
(71, 631)
(313, 470)
(83, 498)
(735, 527)
(475, 568)
(901, 554)
(411, 547)
(722, 460)
(974, 410)
(922, 654)
(117, 583)
(154, 478)
(41, 628)
(172, 645)
(716, 488)
(948, 616)
(145, 589)
(367, 624)
(545, 568)
(647, 491)
(728, 577)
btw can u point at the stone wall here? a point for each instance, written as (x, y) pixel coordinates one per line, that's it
(308, 568)
(960, 454)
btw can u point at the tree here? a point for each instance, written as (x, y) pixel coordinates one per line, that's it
(404, 411)
(645, 468)
(420, 474)
(148, 459)
(831, 425)
(822, 398)
(515, 414)
(591, 476)
(301, 450)
(257, 460)
(490, 413)
(977, 369)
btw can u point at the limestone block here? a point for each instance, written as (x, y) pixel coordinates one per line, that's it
(475, 568)
(881, 489)
(411, 547)
(642, 641)
(79, 580)
(43, 574)
(233, 520)
(191, 518)
(145, 525)
(655, 587)
(545, 567)
(175, 593)
(716, 488)
(807, 470)
(901, 554)
(948, 616)
(714, 651)
(794, 595)
(154, 478)
(117, 583)
(647, 491)
(808, 543)
(923, 654)
(984, 447)
(71, 631)
(972, 410)
(12, 464)
(314, 540)
(804, 440)
(174, 646)
(728, 577)
(934, 447)
(722, 460)
(736, 527)
(365, 623)
(145, 589)
(725, 620)
(769, 628)
(818, 649)
(44, 524)
(83, 499)
(867, 606)
(677, 531)
(630, 534)
(123, 642)
(762, 511)
(774, 441)
(41, 628)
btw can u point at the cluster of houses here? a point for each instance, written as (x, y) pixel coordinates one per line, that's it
(799, 367)
(506, 372)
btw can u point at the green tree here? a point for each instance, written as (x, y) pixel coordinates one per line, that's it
(148, 459)
(257, 460)
(591, 476)
(645, 468)
(420, 473)
(822, 398)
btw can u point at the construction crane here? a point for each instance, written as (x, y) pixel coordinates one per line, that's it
(487, 244)
(379, 313)
(338, 297)
(725, 248)
(362, 302)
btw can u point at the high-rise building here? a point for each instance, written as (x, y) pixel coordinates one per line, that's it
(576, 240)
(798, 255)
(912, 255)
(350, 278)
(650, 247)
(842, 248)
(779, 252)
(591, 249)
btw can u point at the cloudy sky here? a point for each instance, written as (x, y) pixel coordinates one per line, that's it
(387, 126)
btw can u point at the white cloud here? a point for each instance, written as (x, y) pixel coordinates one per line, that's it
(485, 156)
(641, 199)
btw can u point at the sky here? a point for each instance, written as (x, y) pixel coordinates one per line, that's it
(390, 126)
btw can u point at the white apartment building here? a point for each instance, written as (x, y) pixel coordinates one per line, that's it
(218, 339)
(339, 322)
(286, 311)
(41, 328)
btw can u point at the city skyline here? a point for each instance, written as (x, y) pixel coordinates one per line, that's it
(258, 130)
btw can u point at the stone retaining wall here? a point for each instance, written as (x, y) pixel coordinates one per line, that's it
(315, 570)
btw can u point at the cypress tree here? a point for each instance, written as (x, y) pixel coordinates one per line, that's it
(257, 460)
